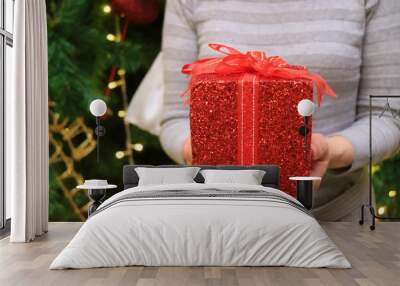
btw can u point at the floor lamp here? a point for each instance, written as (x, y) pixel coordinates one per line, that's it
(98, 108)
(370, 205)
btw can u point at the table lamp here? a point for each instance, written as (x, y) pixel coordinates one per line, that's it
(305, 184)
(305, 108)
(98, 108)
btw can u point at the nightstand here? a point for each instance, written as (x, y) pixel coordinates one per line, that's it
(97, 191)
(305, 189)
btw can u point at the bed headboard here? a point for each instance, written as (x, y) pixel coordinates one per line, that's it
(271, 177)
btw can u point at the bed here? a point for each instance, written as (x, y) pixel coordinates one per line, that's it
(199, 224)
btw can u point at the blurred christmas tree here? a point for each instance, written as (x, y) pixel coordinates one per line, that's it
(102, 49)
(386, 182)
(93, 47)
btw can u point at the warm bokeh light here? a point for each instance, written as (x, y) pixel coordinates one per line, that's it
(111, 37)
(392, 193)
(375, 168)
(107, 9)
(138, 147)
(381, 210)
(121, 72)
(121, 113)
(119, 154)
(112, 84)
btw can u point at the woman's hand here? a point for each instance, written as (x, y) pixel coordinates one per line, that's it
(187, 151)
(330, 153)
(320, 156)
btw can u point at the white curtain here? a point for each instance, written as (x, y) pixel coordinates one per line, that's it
(27, 124)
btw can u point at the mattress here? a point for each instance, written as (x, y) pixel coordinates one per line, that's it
(201, 225)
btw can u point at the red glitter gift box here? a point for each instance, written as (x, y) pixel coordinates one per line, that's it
(243, 111)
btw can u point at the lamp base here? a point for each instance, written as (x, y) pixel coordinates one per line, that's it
(305, 190)
(372, 211)
(304, 193)
(97, 195)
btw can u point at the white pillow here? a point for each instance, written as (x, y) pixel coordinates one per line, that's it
(248, 177)
(165, 176)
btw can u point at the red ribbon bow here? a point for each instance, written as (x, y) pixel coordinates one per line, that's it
(252, 62)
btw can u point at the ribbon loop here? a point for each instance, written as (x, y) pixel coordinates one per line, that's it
(220, 48)
(254, 62)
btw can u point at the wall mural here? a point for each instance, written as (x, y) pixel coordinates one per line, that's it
(96, 52)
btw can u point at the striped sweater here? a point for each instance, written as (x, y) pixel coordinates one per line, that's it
(353, 44)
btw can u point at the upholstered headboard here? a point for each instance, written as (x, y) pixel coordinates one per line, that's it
(271, 177)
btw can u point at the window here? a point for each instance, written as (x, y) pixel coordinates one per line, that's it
(6, 62)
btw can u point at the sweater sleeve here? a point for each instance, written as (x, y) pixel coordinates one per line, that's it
(179, 46)
(380, 75)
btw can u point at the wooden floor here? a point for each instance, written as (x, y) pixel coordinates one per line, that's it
(375, 257)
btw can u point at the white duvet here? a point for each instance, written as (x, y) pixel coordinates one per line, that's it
(200, 231)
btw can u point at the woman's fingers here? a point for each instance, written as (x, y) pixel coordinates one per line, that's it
(319, 147)
(320, 156)
(187, 151)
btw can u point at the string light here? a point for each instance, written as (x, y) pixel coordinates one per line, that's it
(392, 193)
(114, 84)
(119, 154)
(375, 168)
(107, 9)
(121, 113)
(381, 210)
(121, 72)
(138, 147)
(111, 37)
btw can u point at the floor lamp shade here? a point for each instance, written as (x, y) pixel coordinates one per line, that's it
(98, 107)
(305, 107)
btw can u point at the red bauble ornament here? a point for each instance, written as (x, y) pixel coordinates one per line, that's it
(137, 11)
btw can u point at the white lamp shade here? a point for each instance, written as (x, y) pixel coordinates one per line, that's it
(305, 107)
(98, 107)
